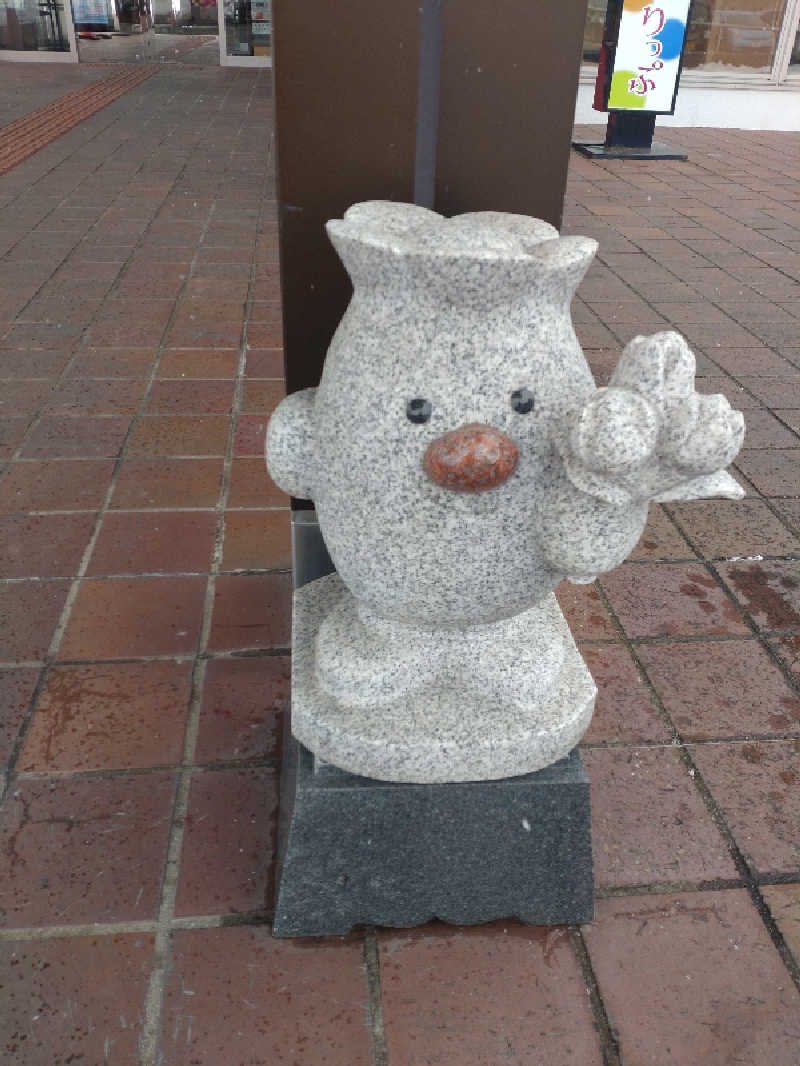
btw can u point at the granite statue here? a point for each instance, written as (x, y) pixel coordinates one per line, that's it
(463, 462)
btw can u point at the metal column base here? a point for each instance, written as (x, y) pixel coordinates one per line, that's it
(657, 150)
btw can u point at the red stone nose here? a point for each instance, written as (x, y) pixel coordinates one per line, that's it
(472, 458)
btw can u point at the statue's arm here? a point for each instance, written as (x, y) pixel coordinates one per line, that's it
(290, 444)
(583, 536)
(650, 435)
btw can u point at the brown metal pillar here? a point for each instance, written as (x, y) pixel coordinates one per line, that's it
(346, 106)
(462, 104)
(509, 78)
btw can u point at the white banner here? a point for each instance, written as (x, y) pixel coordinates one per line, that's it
(91, 11)
(648, 55)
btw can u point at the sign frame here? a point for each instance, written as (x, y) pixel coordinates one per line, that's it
(614, 12)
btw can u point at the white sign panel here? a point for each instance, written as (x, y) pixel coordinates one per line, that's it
(91, 11)
(648, 55)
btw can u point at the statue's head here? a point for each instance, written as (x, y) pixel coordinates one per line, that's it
(475, 259)
(467, 333)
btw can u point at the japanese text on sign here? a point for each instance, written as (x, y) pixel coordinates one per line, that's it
(648, 53)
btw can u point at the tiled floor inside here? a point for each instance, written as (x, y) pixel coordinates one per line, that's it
(144, 632)
(151, 47)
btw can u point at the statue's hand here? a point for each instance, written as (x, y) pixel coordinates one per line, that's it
(649, 435)
(290, 444)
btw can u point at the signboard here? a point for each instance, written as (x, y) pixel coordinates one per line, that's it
(261, 18)
(92, 12)
(647, 59)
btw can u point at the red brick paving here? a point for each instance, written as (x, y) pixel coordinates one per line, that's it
(143, 542)
(625, 709)
(248, 488)
(43, 545)
(726, 528)
(768, 590)
(784, 903)
(722, 689)
(109, 716)
(229, 844)
(74, 999)
(649, 823)
(237, 995)
(661, 538)
(261, 397)
(755, 785)
(190, 397)
(264, 363)
(12, 431)
(205, 363)
(670, 599)
(256, 540)
(76, 438)
(27, 135)
(242, 711)
(29, 613)
(16, 688)
(251, 612)
(497, 993)
(142, 715)
(165, 483)
(86, 396)
(111, 363)
(585, 611)
(188, 435)
(250, 431)
(112, 834)
(693, 978)
(122, 617)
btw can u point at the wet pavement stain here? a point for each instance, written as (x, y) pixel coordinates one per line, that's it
(752, 754)
(68, 693)
(697, 588)
(674, 908)
(788, 720)
(761, 590)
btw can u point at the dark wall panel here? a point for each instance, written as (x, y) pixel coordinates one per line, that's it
(509, 76)
(346, 105)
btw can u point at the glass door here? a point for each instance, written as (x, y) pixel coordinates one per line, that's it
(245, 33)
(37, 30)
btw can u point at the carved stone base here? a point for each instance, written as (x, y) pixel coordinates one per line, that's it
(493, 702)
(358, 851)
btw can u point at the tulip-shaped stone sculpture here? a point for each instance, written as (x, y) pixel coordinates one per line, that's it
(462, 463)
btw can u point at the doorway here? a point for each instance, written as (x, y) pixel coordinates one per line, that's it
(36, 31)
(229, 33)
(245, 33)
(146, 31)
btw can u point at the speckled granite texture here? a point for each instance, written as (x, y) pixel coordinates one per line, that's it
(462, 463)
(469, 705)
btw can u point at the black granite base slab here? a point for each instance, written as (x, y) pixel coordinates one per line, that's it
(357, 851)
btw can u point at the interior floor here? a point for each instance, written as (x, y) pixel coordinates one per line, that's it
(150, 47)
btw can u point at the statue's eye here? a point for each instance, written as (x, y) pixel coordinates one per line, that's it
(522, 401)
(418, 410)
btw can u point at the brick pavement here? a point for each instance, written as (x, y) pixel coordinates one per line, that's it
(145, 626)
(34, 130)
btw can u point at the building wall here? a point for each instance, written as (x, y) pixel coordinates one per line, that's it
(746, 107)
